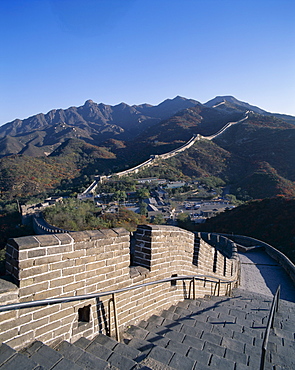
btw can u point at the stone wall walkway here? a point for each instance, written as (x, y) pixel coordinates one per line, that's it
(262, 274)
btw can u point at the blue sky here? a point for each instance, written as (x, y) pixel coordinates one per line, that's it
(59, 53)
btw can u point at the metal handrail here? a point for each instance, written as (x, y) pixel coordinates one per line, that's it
(49, 301)
(274, 308)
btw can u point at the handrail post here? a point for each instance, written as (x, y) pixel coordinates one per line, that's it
(270, 322)
(194, 288)
(218, 288)
(110, 321)
(116, 318)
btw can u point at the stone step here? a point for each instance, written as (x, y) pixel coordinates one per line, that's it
(12, 360)
(118, 355)
(229, 336)
(49, 358)
(211, 333)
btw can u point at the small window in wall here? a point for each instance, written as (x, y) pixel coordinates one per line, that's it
(173, 282)
(84, 314)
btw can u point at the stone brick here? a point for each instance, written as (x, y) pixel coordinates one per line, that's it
(52, 293)
(36, 253)
(73, 287)
(33, 289)
(61, 281)
(47, 240)
(46, 328)
(64, 238)
(79, 236)
(62, 264)
(7, 335)
(33, 325)
(46, 311)
(48, 259)
(60, 315)
(48, 276)
(84, 260)
(21, 340)
(33, 271)
(73, 270)
(59, 249)
(24, 242)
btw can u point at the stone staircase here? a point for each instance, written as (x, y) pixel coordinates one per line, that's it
(210, 333)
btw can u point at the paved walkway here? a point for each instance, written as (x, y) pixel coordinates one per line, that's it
(262, 274)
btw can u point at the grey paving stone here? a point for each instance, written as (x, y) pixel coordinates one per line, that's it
(99, 351)
(233, 344)
(205, 326)
(241, 337)
(216, 320)
(223, 331)
(178, 347)
(193, 342)
(66, 364)
(137, 332)
(121, 362)
(175, 335)
(213, 314)
(252, 350)
(254, 361)
(142, 324)
(69, 351)
(237, 313)
(214, 348)
(89, 361)
(141, 344)
(221, 363)
(228, 318)
(126, 351)
(32, 348)
(82, 343)
(19, 362)
(284, 334)
(189, 321)
(234, 326)
(46, 357)
(235, 356)
(161, 354)
(182, 312)
(168, 315)
(156, 319)
(5, 352)
(202, 357)
(222, 309)
(157, 339)
(192, 330)
(106, 341)
(181, 362)
(211, 337)
(242, 367)
(157, 329)
(200, 316)
(173, 325)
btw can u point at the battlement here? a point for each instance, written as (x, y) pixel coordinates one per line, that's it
(79, 263)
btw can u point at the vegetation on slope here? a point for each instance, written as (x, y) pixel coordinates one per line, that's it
(76, 215)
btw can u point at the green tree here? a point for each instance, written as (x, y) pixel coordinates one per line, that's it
(142, 193)
(143, 208)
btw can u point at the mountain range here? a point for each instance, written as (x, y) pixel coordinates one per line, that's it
(98, 138)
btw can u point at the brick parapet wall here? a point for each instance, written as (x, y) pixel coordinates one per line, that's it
(78, 263)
